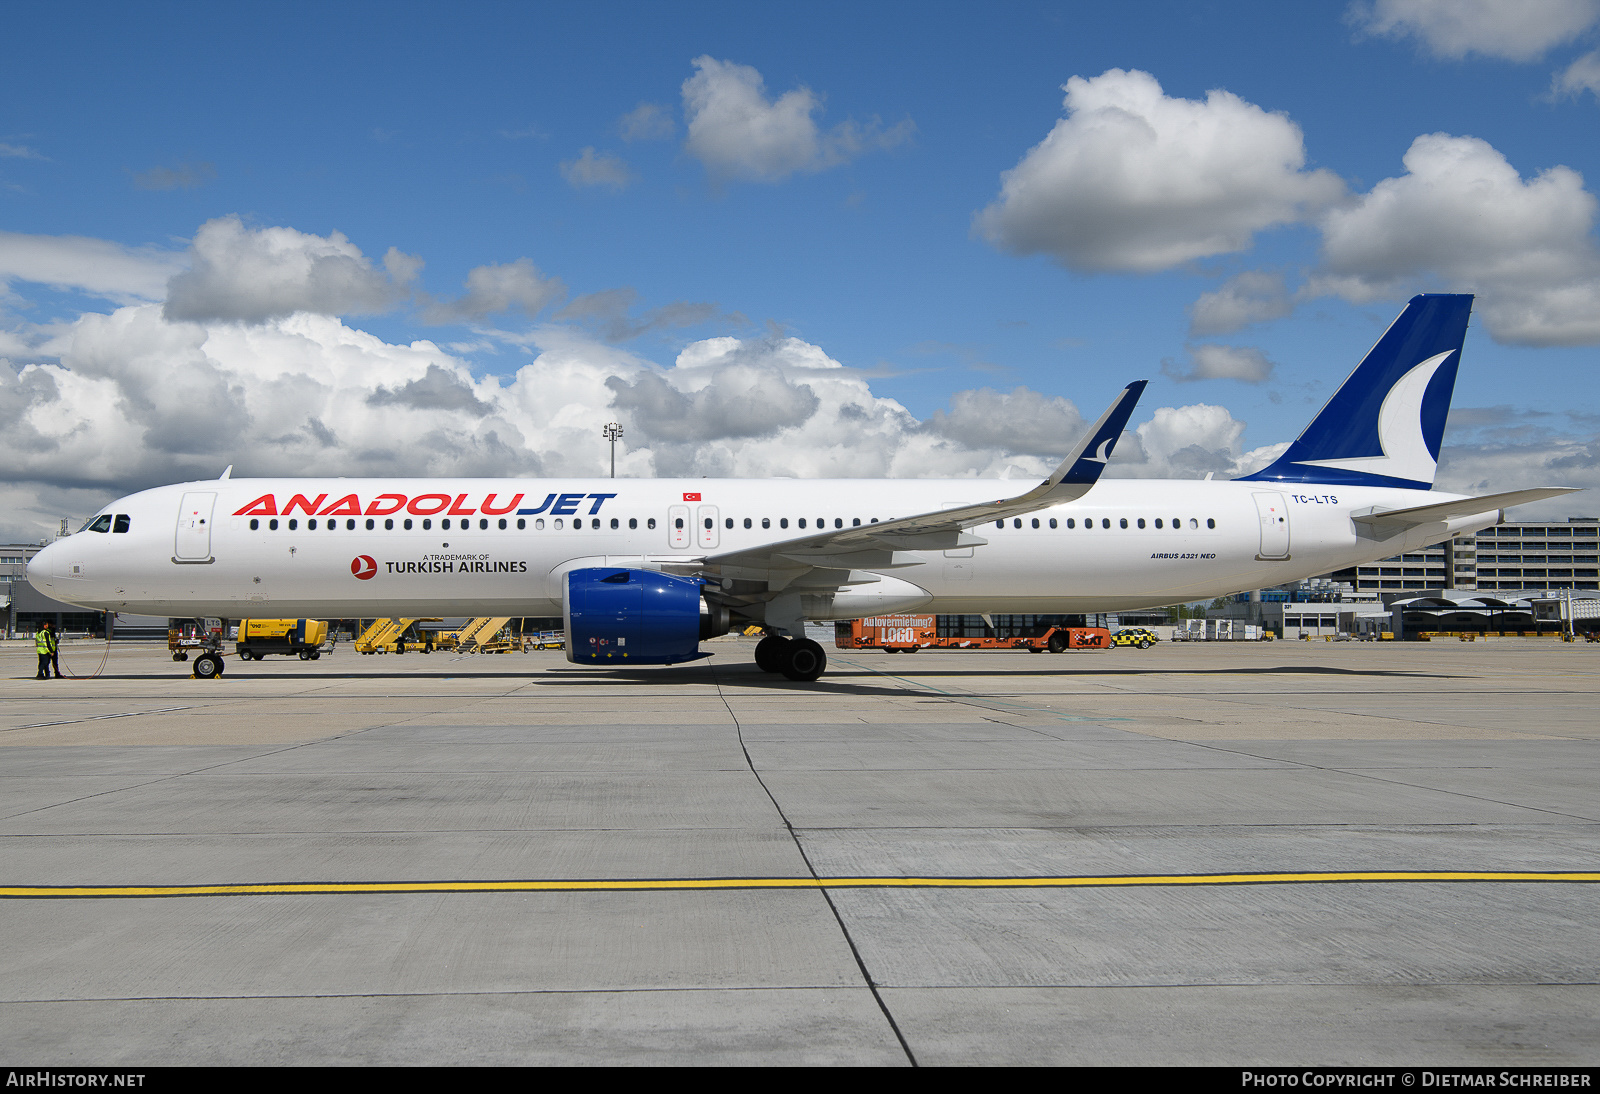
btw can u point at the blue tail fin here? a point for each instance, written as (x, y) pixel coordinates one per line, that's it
(1384, 424)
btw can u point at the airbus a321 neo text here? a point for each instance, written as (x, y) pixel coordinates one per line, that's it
(644, 570)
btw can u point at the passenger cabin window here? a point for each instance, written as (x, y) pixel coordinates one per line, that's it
(651, 523)
(254, 524)
(633, 522)
(783, 522)
(726, 524)
(1210, 523)
(272, 525)
(1124, 522)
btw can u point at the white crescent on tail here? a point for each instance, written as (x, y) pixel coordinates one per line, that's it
(1405, 450)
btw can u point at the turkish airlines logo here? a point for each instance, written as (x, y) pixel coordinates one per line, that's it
(363, 567)
(691, 497)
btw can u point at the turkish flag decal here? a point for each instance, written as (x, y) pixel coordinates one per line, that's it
(691, 497)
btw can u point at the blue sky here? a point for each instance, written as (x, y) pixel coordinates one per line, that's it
(776, 239)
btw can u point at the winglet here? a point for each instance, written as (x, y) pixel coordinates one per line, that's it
(1083, 465)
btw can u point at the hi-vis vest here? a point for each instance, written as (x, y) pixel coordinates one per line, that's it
(44, 641)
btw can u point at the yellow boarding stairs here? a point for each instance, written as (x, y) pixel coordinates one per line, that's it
(481, 636)
(383, 635)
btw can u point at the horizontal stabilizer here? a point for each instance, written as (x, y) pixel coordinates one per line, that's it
(1397, 519)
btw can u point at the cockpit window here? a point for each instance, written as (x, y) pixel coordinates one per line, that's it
(122, 523)
(102, 523)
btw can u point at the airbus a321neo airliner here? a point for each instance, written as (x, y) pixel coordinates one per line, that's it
(643, 570)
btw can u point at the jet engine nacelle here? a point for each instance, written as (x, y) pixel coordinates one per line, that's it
(639, 617)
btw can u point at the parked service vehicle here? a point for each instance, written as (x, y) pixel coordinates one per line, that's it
(910, 633)
(288, 637)
(1135, 636)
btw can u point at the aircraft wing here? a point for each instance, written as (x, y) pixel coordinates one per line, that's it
(826, 559)
(1393, 520)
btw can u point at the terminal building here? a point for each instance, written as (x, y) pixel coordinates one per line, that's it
(1509, 578)
(1523, 558)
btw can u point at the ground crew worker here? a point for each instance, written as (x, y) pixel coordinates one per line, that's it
(49, 651)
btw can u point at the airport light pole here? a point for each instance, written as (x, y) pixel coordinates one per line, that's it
(612, 432)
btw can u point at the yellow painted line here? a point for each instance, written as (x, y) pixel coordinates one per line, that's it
(668, 884)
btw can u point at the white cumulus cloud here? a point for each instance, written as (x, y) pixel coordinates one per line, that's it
(1253, 296)
(1462, 218)
(496, 288)
(1189, 442)
(1134, 180)
(113, 403)
(741, 134)
(1515, 30)
(250, 275)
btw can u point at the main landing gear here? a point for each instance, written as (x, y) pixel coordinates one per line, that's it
(797, 658)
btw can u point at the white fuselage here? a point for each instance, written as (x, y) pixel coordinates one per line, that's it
(191, 550)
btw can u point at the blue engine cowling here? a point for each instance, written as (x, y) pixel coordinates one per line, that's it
(631, 617)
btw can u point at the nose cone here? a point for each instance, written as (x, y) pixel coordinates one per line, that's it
(46, 566)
